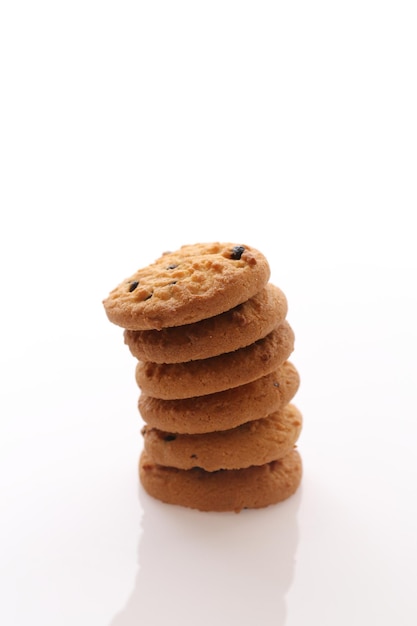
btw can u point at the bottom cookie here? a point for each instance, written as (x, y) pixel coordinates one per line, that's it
(224, 490)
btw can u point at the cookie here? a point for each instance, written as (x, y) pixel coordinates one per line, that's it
(226, 409)
(193, 283)
(254, 443)
(171, 381)
(229, 331)
(224, 490)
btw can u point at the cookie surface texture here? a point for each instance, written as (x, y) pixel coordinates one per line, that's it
(223, 410)
(224, 490)
(254, 443)
(239, 327)
(170, 381)
(195, 282)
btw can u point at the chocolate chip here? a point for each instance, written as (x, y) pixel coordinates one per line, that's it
(172, 266)
(193, 456)
(133, 285)
(237, 252)
(170, 437)
(148, 296)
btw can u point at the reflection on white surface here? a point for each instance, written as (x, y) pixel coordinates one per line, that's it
(197, 566)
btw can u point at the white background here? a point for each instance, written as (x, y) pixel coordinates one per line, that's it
(130, 128)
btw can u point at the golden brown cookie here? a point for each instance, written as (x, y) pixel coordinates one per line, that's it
(171, 381)
(229, 331)
(193, 283)
(224, 490)
(254, 443)
(226, 409)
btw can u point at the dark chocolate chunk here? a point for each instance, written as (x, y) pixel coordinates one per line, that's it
(237, 252)
(172, 266)
(170, 437)
(133, 285)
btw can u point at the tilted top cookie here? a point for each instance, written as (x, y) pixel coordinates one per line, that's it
(193, 283)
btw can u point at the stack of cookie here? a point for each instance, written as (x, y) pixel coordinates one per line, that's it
(212, 342)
